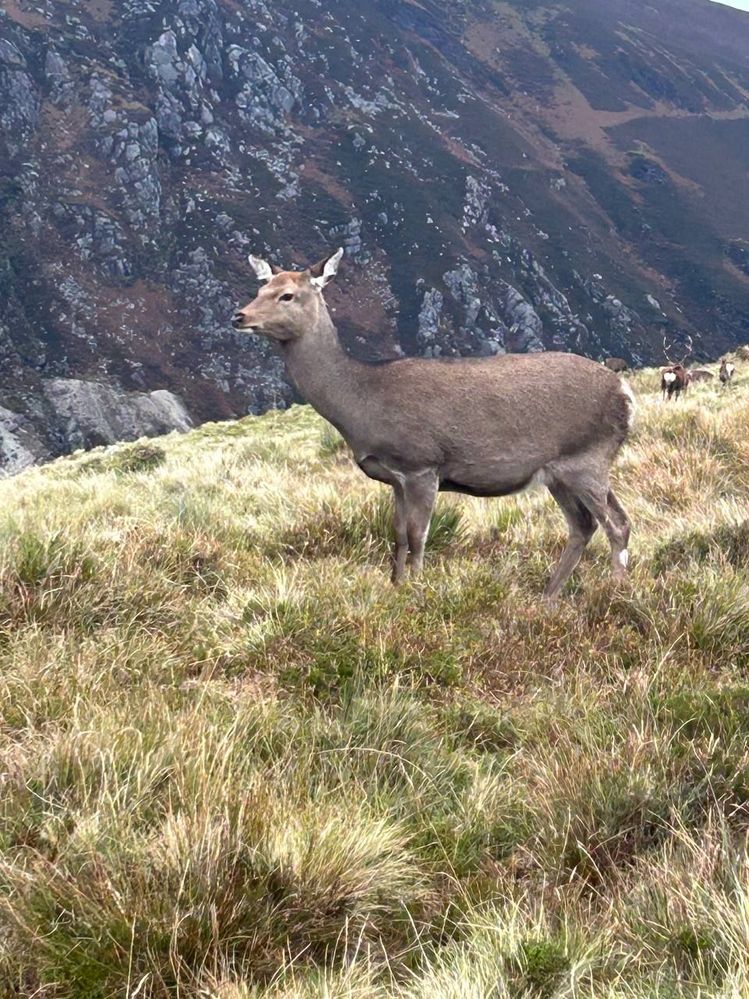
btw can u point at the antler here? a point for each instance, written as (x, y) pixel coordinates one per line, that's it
(688, 342)
(666, 348)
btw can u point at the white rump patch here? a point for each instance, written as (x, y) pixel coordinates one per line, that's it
(329, 270)
(261, 268)
(631, 404)
(624, 558)
(669, 378)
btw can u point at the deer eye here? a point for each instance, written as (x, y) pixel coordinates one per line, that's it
(286, 298)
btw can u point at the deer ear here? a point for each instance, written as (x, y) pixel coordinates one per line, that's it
(326, 269)
(262, 269)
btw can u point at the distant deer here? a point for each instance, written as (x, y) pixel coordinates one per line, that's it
(675, 379)
(700, 375)
(617, 364)
(479, 426)
(726, 373)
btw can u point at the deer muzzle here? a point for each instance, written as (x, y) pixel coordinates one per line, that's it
(240, 321)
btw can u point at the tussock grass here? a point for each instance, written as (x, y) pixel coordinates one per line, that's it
(236, 763)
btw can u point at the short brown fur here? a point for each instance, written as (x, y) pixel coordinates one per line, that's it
(484, 426)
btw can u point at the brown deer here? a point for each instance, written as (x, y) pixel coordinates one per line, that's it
(617, 364)
(727, 370)
(700, 375)
(675, 378)
(479, 426)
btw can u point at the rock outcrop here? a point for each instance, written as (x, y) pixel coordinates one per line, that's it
(20, 445)
(93, 414)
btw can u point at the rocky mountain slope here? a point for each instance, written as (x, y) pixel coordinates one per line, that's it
(504, 176)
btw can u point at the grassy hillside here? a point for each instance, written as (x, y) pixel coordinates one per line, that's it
(236, 763)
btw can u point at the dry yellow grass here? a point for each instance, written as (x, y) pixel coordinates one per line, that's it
(235, 762)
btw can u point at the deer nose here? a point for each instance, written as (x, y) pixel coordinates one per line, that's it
(237, 320)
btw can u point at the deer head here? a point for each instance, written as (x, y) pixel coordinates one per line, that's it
(667, 347)
(288, 302)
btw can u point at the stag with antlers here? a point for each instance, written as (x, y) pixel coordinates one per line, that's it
(675, 378)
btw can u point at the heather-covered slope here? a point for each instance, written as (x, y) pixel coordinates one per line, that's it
(235, 762)
(504, 175)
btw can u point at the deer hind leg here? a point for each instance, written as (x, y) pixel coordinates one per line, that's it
(401, 533)
(608, 511)
(420, 494)
(618, 515)
(582, 527)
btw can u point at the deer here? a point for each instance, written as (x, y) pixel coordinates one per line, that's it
(675, 378)
(617, 364)
(484, 426)
(727, 369)
(700, 375)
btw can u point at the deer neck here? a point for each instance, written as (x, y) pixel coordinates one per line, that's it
(325, 375)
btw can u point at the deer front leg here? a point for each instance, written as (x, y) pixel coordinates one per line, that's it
(401, 534)
(421, 492)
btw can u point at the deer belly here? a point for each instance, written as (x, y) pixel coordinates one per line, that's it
(497, 478)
